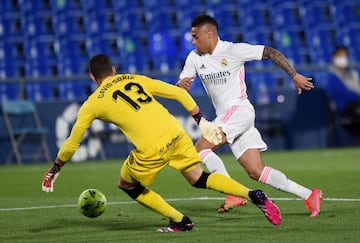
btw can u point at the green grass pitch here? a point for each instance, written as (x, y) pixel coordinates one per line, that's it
(29, 215)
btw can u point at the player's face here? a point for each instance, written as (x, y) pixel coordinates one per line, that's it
(201, 39)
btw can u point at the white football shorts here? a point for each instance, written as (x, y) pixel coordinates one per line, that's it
(238, 123)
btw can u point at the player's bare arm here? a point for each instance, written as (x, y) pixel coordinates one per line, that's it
(300, 81)
(185, 83)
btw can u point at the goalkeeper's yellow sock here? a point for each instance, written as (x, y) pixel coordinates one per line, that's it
(221, 183)
(154, 201)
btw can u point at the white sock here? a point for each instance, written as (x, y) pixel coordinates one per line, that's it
(213, 162)
(278, 180)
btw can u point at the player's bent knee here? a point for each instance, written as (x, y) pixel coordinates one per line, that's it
(135, 192)
(201, 182)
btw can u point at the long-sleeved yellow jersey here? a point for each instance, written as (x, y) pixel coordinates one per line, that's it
(127, 101)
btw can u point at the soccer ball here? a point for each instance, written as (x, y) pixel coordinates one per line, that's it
(92, 203)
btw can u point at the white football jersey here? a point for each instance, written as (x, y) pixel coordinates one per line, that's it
(222, 72)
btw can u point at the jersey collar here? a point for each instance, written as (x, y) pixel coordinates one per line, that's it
(218, 46)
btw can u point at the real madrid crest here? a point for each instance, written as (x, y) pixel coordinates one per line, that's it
(224, 62)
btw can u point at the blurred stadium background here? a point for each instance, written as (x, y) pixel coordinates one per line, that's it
(45, 46)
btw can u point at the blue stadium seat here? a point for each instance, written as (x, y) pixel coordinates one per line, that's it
(165, 64)
(38, 51)
(161, 20)
(38, 25)
(72, 57)
(255, 17)
(72, 67)
(12, 58)
(318, 56)
(74, 90)
(219, 5)
(298, 56)
(289, 39)
(352, 12)
(286, 17)
(9, 7)
(71, 48)
(322, 42)
(227, 18)
(186, 44)
(134, 64)
(42, 49)
(180, 4)
(127, 6)
(96, 5)
(14, 69)
(131, 47)
(11, 26)
(69, 24)
(39, 6)
(66, 6)
(162, 44)
(319, 14)
(39, 69)
(106, 45)
(9, 91)
(260, 38)
(38, 91)
(133, 54)
(185, 17)
(131, 23)
(350, 37)
(103, 23)
(163, 51)
(156, 4)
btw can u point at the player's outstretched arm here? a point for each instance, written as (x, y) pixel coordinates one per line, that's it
(301, 82)
(185, 83)
(50, 176)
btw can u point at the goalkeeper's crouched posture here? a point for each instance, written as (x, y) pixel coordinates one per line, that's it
(129, 102)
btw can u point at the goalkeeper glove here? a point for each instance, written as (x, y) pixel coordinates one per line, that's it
(51, 175)
(208, 129)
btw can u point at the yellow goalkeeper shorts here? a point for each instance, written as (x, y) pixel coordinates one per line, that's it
(176, 150)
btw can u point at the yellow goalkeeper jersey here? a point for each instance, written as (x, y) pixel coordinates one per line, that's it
(127, 101)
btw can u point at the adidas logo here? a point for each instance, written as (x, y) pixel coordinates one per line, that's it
(202, 66)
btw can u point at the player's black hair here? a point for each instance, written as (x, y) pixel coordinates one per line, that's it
(340, 48)
(100, 66)
(204, 19)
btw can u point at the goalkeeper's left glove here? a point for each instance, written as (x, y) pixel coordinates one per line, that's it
(208, 129)
(51, 175)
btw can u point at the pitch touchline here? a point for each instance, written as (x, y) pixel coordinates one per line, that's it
(175, 200)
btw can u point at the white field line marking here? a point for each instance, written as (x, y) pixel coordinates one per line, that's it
(175, 200)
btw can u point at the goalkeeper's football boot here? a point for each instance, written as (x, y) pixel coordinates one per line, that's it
(231, 202)
(313, 202)
(185, 225)
(268, 207)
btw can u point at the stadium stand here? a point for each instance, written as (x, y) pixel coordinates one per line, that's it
(56, 37)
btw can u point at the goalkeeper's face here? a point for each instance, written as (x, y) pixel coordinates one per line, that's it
(203, 37)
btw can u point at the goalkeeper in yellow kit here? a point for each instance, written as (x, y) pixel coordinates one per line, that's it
(128, 101)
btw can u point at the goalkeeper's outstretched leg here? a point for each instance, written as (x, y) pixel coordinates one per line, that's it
(153, 201)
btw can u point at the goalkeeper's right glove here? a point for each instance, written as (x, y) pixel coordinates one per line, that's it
(208, 129)
(51, 175)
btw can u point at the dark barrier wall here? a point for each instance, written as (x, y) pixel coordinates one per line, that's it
(286, 121)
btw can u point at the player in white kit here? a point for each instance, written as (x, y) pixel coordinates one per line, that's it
(220, 66)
